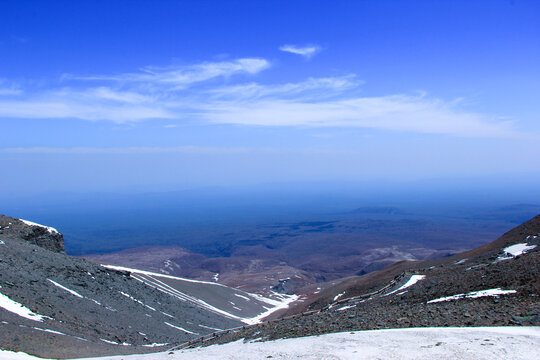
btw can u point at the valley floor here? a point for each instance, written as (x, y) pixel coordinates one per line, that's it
(413, 343)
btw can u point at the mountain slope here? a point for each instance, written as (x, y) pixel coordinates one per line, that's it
(497, 284)
(56, 305)
(482, 255)
(75, 307)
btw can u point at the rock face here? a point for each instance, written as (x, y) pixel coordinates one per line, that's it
(42, 236)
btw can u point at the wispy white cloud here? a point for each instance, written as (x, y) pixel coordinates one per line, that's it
(316, 88)
(305, 51)
(84, 109)
(182, 76)
(397, 113)
(7, 88)
(315, 102)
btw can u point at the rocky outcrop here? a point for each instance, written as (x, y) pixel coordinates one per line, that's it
(40, 235)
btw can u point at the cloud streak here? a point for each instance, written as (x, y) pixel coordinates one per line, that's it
(192, 93)
(305, 51)
(396, 113)
(7, 89)
(182, 76)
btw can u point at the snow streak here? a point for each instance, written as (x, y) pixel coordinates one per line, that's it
(475, 294)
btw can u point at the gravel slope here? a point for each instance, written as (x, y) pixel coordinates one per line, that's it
(85, 308)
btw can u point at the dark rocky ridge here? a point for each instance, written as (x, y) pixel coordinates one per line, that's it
(38, 235)
(367, 302)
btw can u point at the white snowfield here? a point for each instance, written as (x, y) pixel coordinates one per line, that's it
(49, 229)
(475, 294)
(415, 343)
(516, 250)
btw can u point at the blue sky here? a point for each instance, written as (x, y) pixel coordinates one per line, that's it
(168, 95)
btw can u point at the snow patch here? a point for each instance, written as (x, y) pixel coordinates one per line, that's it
(518, 249)
(115, 343)
(413, 280)
(475, 294)
(95, 301)
(51, 230)
(169, 315)
(475, 267)
(180, 328)
(49, 331)
(12, 306)
(66, 289)
(282, 303)
(338, 296)
(137, 301)
(150, 273)
(242, 297)
(210, 328)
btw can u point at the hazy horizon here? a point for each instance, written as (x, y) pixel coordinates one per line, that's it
(128, 116)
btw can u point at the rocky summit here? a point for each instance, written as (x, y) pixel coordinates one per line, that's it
(45, 237)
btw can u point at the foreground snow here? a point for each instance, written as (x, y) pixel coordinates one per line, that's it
(419, 343)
